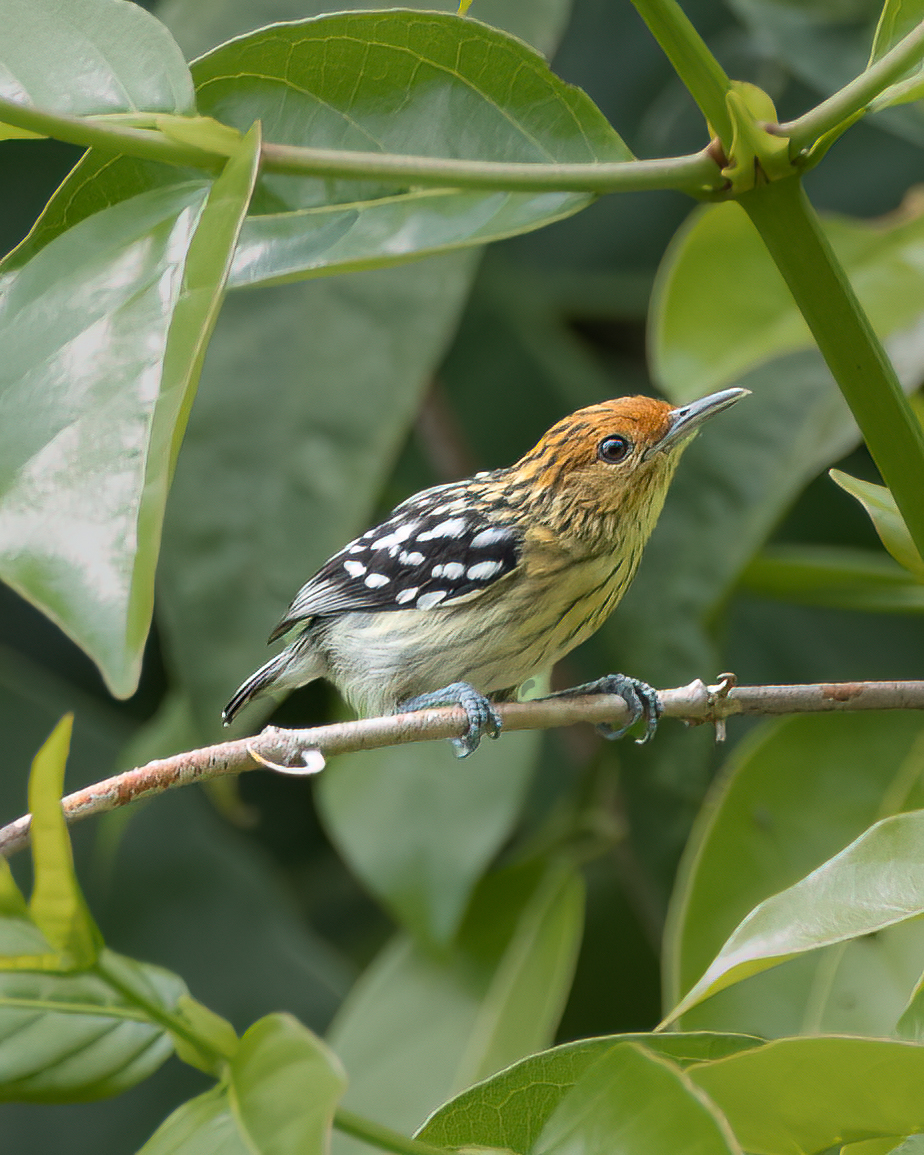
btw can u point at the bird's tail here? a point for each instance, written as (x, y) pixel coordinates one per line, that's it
(285, 671)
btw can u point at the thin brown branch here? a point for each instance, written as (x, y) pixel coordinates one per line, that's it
(292, 750)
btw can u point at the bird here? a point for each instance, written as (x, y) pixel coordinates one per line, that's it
(469, 589)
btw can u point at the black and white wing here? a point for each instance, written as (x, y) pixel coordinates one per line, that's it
(434, 548)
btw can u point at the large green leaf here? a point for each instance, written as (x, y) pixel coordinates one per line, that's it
(90, 56)
(806, 1095)
(759, 835)
(634, 1102)
(452, 821)
(875, 883)
(418, 1027)
(705, 332)
(511, 1109)
(67, 1038)
(134, 291)
(285, 1086)
(202, 1126)
(393, 81)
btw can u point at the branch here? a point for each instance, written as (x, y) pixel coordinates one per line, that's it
(304, 751)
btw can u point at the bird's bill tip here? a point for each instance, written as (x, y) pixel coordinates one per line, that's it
(686, 419)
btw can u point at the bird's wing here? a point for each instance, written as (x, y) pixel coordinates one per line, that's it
(432, 550)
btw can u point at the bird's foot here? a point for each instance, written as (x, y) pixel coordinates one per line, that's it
(641, 699)
(482, 717)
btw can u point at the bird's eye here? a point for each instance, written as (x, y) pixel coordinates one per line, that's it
(612, 450)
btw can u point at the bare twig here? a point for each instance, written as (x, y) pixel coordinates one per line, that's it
(303, 751)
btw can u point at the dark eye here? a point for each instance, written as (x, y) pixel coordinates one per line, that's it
(612, 450)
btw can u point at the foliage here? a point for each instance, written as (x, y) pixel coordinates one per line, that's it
(467, 914)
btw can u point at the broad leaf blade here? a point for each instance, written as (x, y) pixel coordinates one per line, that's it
(452, 824)
(134, 290)
(285, 1086)
(202, 1126)
(815, 1093)
(511, 1109)
(57, 905)
(759, 834)
(404, 82)
(91, 56)
(634, 1102)
(889, 523)
(69, 1038)
(876, 882)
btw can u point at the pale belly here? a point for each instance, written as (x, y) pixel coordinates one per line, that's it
(494, 642)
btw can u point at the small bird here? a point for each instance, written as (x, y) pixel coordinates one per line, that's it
(469, 589)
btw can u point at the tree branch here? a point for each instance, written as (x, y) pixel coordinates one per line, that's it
(304, 751)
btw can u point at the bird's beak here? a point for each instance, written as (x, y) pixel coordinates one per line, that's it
(685, 420)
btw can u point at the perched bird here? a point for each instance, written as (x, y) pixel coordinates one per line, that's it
(468, 589)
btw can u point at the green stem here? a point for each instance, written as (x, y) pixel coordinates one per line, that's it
(693, 62)
(382, 1137)
(789, 227)
(855, 96)
(697, 175)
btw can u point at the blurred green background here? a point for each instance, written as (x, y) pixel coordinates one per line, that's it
(321, 405)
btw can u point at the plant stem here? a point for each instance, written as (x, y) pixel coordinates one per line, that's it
(855, 96)
(789, 227)
(382, 1137)
(697, 174)
(693, 62)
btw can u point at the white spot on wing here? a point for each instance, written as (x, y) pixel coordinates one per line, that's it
(453, 527)
(489, 537)
(434, 597)
(407, 595)
(450, 569)
(413, 558)
(484, 570)
(354, 568)
(376, 580)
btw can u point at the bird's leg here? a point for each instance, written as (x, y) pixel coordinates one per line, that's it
(482, 717)
(641, 699)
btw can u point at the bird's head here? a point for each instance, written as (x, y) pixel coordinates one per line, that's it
(615, 458)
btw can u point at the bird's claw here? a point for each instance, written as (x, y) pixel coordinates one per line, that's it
(483, 719)
(640, 698)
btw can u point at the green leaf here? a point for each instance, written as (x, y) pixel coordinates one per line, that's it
(401, 82)
(91, 56)
(203, 1126)
(897, 19)
(134, 291)
(634, 1102)
(888, 522)
(69, 1038)
(836, 577)
(285, 1086)
(704, 331)
(418, 1027)
(452, 821)
(211, 1031)
(759, 834)
(57, 905)
(876, 882)
(511, 1109)
(811, 1094)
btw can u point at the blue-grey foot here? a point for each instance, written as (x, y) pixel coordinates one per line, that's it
(482, 717)
(641, 699)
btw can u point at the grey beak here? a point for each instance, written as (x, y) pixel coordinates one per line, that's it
(688, 418)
